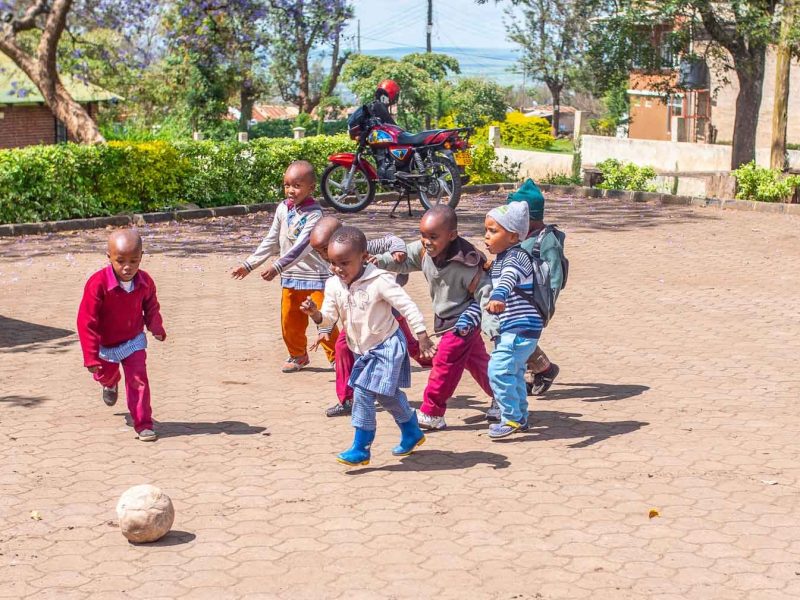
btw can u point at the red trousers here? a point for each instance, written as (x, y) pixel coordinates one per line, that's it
(137, 387)
(345, 359)
(453, 355)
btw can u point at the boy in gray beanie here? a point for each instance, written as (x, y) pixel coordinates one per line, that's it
(520, 322)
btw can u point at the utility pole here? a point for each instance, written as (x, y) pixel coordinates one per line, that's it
(429, 29)
(428, 48)
(783, 65)
(358, 34)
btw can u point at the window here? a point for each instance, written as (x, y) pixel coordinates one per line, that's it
(676, 105)
(61, 133)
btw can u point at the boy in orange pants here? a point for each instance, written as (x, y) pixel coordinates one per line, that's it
(303, 273)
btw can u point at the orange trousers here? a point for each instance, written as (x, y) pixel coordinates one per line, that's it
(294, 323)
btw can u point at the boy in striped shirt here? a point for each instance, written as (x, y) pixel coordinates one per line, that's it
(520, 322)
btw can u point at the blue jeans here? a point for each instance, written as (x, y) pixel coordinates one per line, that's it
(507, 375)
(363, 415)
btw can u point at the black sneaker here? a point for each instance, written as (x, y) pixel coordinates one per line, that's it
(542, 381)
(340, 410)
(110, 395)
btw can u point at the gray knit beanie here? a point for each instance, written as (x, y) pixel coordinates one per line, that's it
(512, 217)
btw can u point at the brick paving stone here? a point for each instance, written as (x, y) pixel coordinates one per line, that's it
(677, 338)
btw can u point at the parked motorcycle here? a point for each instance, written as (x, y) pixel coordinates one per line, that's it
(429, 164)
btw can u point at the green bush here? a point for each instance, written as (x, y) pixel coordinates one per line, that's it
(42, 183)
(520, 131)
(561, 179)
(487, 167)
(626, 176)
(762, 184)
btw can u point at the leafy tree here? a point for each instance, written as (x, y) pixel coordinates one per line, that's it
(297, 28)
(737, 33)
(477, 101)
(552, 35)
(30, 32)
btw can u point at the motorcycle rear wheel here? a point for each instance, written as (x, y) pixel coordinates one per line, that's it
(355, 198)
(445, 185)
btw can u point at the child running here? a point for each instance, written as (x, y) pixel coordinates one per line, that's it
(118, 302)
(520, 323)
(320, 238)
(303, 273)
(362, 296)
(541, 371)
(459, 287)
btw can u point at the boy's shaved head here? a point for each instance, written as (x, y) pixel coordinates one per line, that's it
(303, 169)
(323, 230)
(124, 241)
(351, 237)
(442, 214)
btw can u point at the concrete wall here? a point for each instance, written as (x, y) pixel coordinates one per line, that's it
(668, 157)
(538, 165)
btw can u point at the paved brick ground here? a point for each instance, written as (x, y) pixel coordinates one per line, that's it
(678, 339)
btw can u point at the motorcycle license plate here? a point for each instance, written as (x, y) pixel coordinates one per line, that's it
(463, 158)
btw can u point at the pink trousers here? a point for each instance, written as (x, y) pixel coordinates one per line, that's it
(137, 387)
(345, 359)
(454, 354)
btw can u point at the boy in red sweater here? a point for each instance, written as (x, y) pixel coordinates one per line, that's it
(118, 301)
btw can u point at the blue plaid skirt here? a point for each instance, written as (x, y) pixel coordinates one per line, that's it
(384, 368)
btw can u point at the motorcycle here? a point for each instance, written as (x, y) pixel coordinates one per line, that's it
(429, 164)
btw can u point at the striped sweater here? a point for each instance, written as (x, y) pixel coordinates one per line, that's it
(512, 270)
(288, 237)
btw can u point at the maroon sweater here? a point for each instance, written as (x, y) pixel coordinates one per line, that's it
(109, 316)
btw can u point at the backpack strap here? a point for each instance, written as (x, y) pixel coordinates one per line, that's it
(473, 285)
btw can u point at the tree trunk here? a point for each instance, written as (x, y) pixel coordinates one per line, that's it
(783, 64)
(750, 72)
(74, 116)
(246, 101)
(555, 92)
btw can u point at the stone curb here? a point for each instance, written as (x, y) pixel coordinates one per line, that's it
(139, 219)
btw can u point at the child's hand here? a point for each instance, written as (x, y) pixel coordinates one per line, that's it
(495, 307)
(160, 338)
(309, 307)
(240, 272)
(94, 368)
(464, 331)
(372, 259)
(270, 274)
(426, 347)
(399, 257)
(322, 337)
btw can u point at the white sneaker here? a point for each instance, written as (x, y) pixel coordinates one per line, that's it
(147, 435)
(429, 422)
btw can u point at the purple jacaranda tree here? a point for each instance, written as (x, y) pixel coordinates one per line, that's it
(30, 32)
(297, 29)
(226, 40)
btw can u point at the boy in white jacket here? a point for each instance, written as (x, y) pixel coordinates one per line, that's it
(361, 296)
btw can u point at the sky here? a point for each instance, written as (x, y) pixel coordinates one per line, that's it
(456, 23)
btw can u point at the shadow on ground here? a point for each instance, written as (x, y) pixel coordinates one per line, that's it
(441, 460)
(173, 538)
(166, 429)
(549, 425)
(14, 332)
(592, 392)
(23, 401)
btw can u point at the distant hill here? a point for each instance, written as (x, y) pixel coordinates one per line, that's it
(491, 63)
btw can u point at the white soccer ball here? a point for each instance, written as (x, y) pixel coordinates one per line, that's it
(145, 513)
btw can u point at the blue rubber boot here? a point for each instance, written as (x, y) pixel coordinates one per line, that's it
(358, 453)
(411, 437)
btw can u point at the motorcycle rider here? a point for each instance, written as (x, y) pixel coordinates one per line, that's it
(386, 95)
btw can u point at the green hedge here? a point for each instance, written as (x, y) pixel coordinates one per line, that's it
(44, 183)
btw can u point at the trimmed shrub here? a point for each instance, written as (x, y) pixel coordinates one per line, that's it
(519, 130)
(42, 183)
(762, 184)
(487, 167)
(626, 176)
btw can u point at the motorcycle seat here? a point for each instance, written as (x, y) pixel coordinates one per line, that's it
(415, 139)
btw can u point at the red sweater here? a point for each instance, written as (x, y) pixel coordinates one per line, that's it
(109, 315)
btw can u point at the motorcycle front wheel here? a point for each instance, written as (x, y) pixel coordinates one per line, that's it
(444, 184)
(347, 198)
